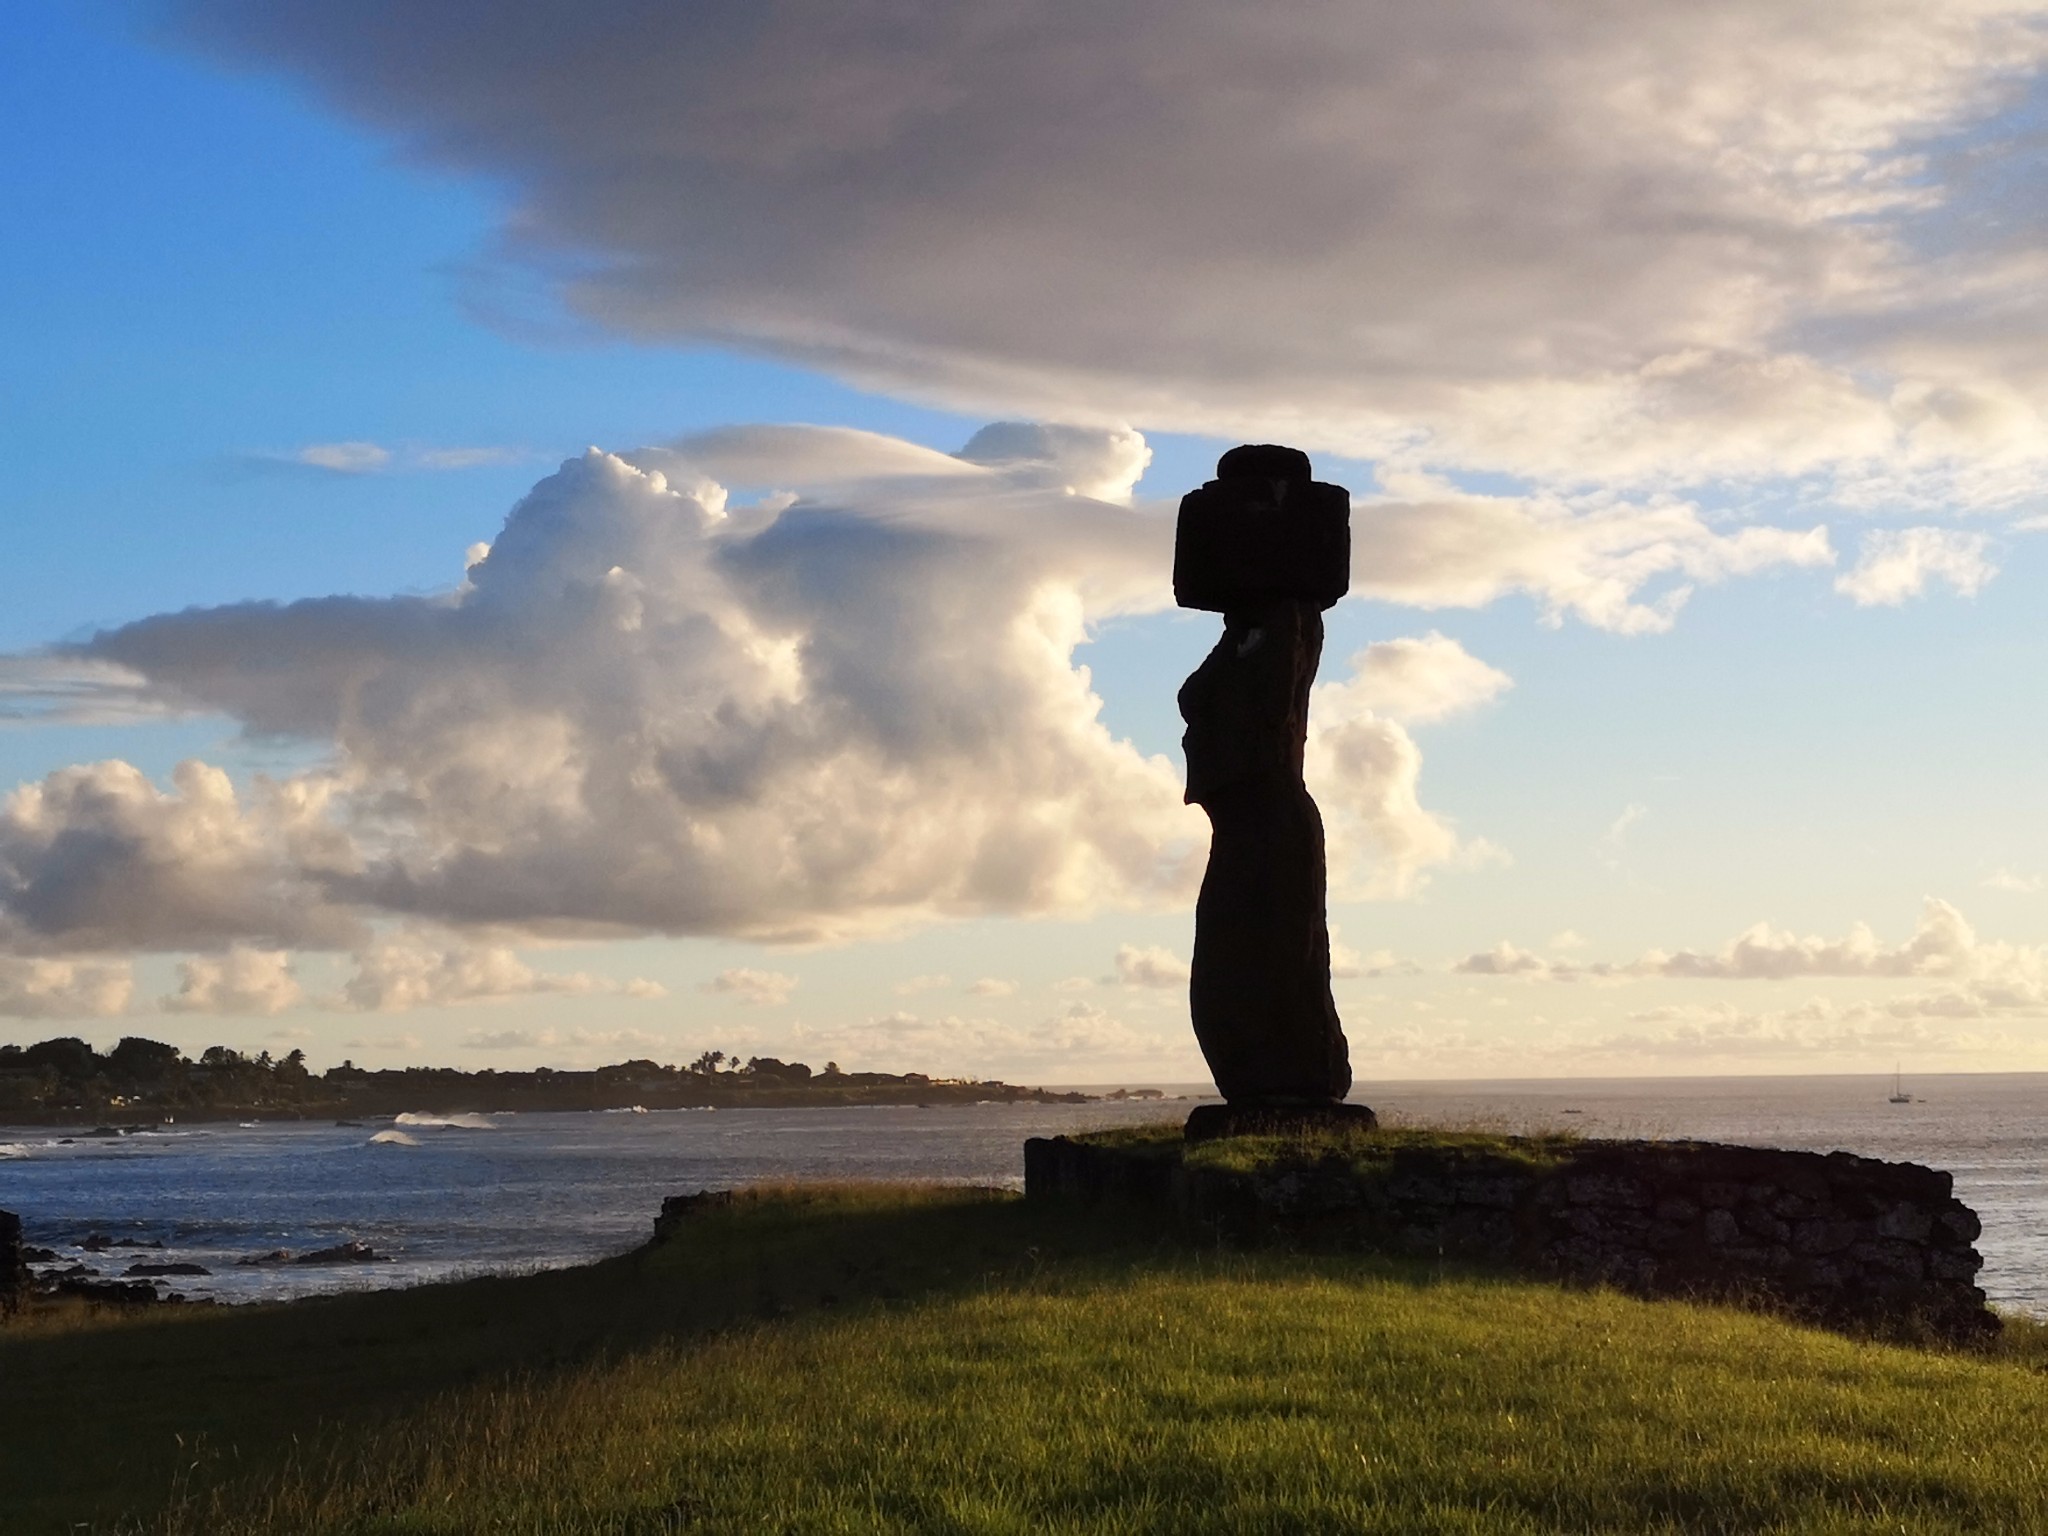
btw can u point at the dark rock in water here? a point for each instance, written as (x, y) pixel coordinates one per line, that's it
(350, 1252)
(275, 1256)
(677, 1209)
(354, 1125)
(166, 1269)
(1207, 1122)
(97, 1242)
(13, 1261)
(120, 1293)
(136, 1242)
(103, 1132)
(75, 1272)
(34, 1255)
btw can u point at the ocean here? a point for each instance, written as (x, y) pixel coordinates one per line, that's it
(445, 1196)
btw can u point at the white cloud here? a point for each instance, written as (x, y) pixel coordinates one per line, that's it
(1898, 563)
(2006, 880)
(1943, 944)
(1581, 243)
(97, 857)
(650, 711)
(240, 981)
(1504, 959)
(757, 988)
(992, 986)
(351, 458)
(1079, 1043)
(570, 1044)
(912, 985)
(1613, 564)
(59, 988)
(464, 458)
(1977, 977)
(412, 969)
(1414, 681)
(404, 1043)
(1153, 966)
(848, 708)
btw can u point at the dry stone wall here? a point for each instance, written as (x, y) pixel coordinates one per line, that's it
(1838, 1239)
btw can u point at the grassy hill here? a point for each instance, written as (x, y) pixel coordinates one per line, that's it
(822, 1359)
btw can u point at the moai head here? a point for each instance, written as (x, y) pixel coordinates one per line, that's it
(1262, 531)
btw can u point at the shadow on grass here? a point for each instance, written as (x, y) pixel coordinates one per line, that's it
(104, 1412)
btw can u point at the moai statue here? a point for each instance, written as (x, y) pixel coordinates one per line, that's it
(1268, 547)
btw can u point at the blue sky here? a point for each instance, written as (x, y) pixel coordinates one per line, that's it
(268, 338)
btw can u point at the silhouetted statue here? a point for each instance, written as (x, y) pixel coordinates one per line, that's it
(1269, 548)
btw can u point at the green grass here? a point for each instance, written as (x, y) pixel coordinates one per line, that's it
(889, 1359)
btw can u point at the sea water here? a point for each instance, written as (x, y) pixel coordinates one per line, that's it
(470, 1194)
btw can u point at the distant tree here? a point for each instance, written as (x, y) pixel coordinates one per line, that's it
(136, 1060)
(708, 1063)
(70, 1058)
(831, 1069)
(221, 1058)
(292, 1069)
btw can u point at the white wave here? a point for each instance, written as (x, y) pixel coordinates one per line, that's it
(392, 1139)
(446, 1122)
(14, 1149)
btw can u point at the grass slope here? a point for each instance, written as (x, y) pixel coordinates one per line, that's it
(890, 1359)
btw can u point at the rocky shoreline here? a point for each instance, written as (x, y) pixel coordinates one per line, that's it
(31, 1271)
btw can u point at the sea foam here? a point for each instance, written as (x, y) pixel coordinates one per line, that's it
(446, 1122)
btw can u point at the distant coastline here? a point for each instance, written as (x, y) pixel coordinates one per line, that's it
(143, 1083)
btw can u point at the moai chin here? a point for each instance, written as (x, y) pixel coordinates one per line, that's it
(1268, 546)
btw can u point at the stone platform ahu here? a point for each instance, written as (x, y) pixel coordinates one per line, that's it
(1267, 546)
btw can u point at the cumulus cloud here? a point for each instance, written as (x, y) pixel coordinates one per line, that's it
(240, 981)
(649, 710)
(992, 986)
(1898, 563)
(1153, 966)
(96, 857)
(1943, 944)
(1974, 977)
(411, 969)
(1365, 770)
(848, 706)
(1685, 241)
(57, 988)
(910, 986)
(758, 988)
(1415, 680)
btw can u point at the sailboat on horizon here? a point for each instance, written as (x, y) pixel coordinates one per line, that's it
(1899, 1094)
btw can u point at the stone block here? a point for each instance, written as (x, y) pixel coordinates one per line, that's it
(1905, 1221)
(1244, 541)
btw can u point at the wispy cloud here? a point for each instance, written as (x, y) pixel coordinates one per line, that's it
(1897, 564)
(752, 987)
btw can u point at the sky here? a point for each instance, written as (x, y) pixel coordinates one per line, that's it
(537, 535)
